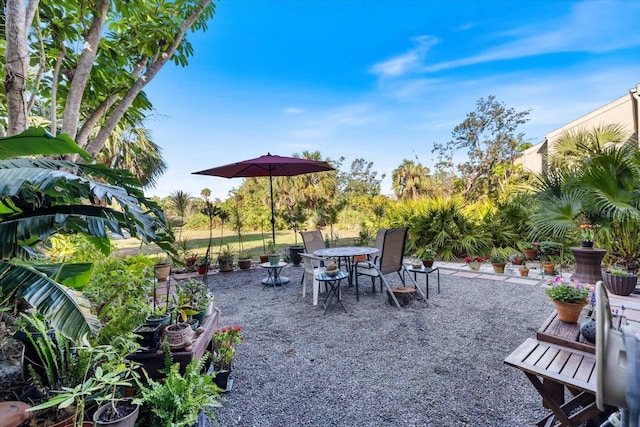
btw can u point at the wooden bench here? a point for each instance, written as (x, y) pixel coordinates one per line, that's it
(559, 367)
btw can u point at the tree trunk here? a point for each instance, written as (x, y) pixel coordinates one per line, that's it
(16, 63)
(83, 69)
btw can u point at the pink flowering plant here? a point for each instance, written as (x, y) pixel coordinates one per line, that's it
(473, 259)
(565, 290)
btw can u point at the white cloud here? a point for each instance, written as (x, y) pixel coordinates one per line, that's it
(407, 62)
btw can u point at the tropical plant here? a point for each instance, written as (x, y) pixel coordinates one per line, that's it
(564, 290)
(426, 253)
(93, 89)
(180, 201)
(440, 224)
(601, 192)
(119, 293)
(224, 342)
(106, 374)
(49, 196)
(176, 400)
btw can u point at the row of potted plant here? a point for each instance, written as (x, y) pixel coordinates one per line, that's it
(96, 380)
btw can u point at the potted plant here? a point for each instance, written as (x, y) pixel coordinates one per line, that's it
(619, 282)
(474, 262)
(224, 342)
(193, 301)
(530, 250)
(498, 262)
(274, 258)
(244, 261)
(180, 400)
(159, 316)
(107, 372)
(569, 297)
(516, 259)
(524, 270)
(148, 336)
(427, 256)
(202, 265)
(161, 268)
(549, 255)
(225, 259)
(587, 234)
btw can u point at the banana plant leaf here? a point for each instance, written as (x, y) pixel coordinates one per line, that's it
(36, 142)
(65, 309)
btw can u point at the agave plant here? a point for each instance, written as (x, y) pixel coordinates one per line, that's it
(41, 196)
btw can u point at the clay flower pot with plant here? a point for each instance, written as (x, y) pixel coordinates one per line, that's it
(427, 256)
(202, 265)
(524, 270)
(244, 261)
(569, 297)
(530, 250)
(498, 262)
(474, 262)
(225, 259)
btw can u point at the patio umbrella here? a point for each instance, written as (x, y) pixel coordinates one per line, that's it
(268, 166)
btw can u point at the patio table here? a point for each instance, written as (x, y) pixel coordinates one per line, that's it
(274, 279)
(347, 253)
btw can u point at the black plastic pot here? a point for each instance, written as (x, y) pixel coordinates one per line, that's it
(148, 336)
(294, 254)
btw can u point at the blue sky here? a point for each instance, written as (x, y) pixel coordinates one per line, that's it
(379, 79)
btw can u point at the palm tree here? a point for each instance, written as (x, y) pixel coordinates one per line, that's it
(131, 148)
(42, 197)
(205, 193)
(409, 180)
(569, 149)
(180, 201)
(602, 191)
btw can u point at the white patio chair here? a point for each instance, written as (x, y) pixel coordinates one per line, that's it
(311, 269)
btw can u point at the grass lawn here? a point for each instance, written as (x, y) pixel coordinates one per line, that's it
(252, 242)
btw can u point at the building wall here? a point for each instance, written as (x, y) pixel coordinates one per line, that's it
(623, 111)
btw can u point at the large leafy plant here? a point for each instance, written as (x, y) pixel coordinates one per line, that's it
(42, 196)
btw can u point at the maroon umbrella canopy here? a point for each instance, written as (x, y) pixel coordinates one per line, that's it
(268, 166)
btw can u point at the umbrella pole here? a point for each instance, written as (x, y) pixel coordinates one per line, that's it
(273, 219)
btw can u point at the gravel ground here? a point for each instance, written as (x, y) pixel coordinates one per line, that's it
(438, 363)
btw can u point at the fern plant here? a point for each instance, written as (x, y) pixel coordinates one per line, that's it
(177, 400)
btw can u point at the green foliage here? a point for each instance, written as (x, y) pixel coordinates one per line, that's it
(439, 223)
(488, 135)
(119, 291)
(177, 399)
(567, 291)
(106, 372)
(498, 259)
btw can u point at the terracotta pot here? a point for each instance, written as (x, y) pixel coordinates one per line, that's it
(549, 267)
(619, 285)
(518, 260)
(161, 271)
(524, 272)
(498, 267)
(569, 312)
(264, 258)
(531, 253)
(427, 263)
